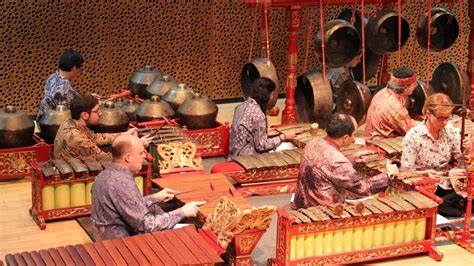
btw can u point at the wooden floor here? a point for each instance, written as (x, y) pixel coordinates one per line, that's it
(18, 232)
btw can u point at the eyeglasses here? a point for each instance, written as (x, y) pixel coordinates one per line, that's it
(443, 118)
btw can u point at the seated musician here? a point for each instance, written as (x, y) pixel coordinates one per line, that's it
(74, 139)
(249, 130)
(387, 116)
(435, 143)
(118, 209)
(326, 176)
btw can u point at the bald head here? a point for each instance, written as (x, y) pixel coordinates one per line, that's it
(123, 144)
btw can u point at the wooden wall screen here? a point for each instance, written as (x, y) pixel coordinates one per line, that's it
(197, 42)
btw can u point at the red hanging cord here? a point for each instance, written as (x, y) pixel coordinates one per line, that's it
(321, 25)
(399, 54)
(420, 3)
(309, 40)
(461, 25)
(267, 33)
(363, 39)
(428, 59)
(252, 37)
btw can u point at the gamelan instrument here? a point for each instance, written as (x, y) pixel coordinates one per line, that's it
(304, 132)
(227, 218)
(391, 226)
(62, 188)
(182, 246)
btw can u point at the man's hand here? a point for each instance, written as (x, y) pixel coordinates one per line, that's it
(133, 131)
(191, 209)
(147, 139)
(165, 195)
(391, 168)
(457, 172)
(289, 135)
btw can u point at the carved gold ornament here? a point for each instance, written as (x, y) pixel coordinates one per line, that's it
(178, 154)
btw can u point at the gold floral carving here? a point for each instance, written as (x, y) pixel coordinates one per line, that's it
(178, 154)
(68, 212)
(246, 243)
(212, 141)
(228, 220)
(254, 175)
(16, 162)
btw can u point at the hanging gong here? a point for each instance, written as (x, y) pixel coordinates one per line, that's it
(444, 30)
(417, 99)
(341, 43)
(313, 98)
(382, 32)
(257, 68)
(449, 79)
(353, 98)
(372, 60)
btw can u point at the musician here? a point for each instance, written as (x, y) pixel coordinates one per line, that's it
(326, 176)
(118, 209)
(249, 130)
(388, 116)
(74, 139)
(58, 89)
(435, 144)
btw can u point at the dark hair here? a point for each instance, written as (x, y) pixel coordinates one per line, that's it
(340, 125)
(401, 72)
(119, 148)
(82, 103)
(261, 90)
(69, 59)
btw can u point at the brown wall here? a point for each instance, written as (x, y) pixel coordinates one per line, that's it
(200, 43)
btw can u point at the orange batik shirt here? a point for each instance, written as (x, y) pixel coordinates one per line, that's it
(387, 116)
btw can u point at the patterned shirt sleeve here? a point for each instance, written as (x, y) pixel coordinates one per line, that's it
(104, 138)
(261, 140)
(83, 146)
(136, 211)
(409, 151)
(455, 137)
(344, 176)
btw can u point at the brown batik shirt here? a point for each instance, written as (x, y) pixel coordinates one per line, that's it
(327, 177)
(387, 116)
(74, 140)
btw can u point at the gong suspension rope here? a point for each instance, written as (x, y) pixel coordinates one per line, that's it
(267, 34)
(252, 36)
(420, 5)
(428, 59)
(309, 40)
(362, 29)
(321, 25)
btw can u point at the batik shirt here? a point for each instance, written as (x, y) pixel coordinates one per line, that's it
(57, 91)
(73, 141)
(387, 116)
(248, 133)
(421, 151)
(327, 177)
(119, 210)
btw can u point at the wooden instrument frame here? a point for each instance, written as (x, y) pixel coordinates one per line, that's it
(38, 181)
(15, 161)
(286, 229)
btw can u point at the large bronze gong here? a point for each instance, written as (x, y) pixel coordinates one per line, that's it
(313, 98)
(142, 78)
(257, 68)
(353, 98)
(417, 99)
(341, 41)
(113, 119)
(444, 30)
(372, 60)
(52, 120)
(382, 32)
(449, 79)
(16, 128)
